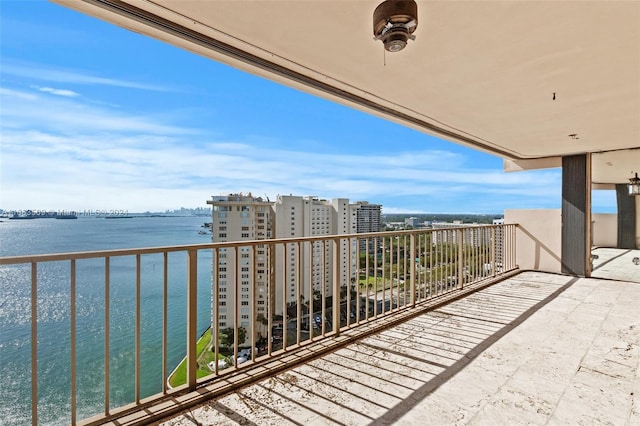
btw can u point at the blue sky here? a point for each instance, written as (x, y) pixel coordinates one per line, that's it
(95, 117)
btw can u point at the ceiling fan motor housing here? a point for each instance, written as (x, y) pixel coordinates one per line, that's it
(394, 22)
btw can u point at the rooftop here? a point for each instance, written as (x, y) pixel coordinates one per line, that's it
(537, 348)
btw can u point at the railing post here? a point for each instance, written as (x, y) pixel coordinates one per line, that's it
(34, 343)
(514, 231)
(270, 250)
(492, 253)
(74, 364)
(107, 338)
(460, 243)
(137, 332)
(215, 317)
(412, 277)
(335, 255)
(165, 309)
(192, 317)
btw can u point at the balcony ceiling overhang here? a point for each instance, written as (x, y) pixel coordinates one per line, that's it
(522, 80)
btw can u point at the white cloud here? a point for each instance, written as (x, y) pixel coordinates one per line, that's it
(44, 73)
(63, 153)
(58, 92)
(64, 115)
(17, 94)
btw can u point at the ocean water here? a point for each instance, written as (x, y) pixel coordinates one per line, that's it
(21, 237)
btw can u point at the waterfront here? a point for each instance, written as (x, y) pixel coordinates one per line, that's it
(90, 234)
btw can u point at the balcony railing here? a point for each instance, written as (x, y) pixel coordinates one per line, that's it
(280, 295)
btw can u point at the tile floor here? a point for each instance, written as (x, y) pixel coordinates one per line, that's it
(536, 348)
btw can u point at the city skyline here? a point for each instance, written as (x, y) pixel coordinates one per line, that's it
(97, 117)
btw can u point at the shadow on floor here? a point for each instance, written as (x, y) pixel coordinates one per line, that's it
(379, 378)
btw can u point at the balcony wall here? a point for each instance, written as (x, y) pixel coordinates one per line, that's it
(539, 238)
(605, 229)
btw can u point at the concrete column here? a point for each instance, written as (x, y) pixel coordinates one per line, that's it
(637, 222)
(576, 215)
(627, 232)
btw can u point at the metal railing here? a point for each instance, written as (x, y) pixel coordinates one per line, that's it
(266, 298)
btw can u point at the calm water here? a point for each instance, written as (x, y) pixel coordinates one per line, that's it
(18, 237)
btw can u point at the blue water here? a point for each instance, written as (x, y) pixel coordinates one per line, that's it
(20, 237)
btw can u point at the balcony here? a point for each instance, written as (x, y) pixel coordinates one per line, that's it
(453, 326)
(445, 327)
(536, 348)
(405, 276)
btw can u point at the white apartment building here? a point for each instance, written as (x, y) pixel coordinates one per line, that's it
(307, 268)
(472, 237)
(238, 217)
(476, 238)
(300, 269)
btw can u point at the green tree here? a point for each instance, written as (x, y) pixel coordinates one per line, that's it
(262, 320)
(363, 260)
(227, 336)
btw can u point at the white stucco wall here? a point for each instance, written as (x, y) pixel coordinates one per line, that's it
(538, 238)
(605, 229)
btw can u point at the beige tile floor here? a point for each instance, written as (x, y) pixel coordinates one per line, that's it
(616, 264)
(534, 349)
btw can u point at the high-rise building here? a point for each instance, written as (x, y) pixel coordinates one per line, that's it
(473, 237)
(367, 219)
(301, 270)
(238, 217)
(307, 268)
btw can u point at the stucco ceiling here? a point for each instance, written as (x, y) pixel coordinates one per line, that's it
(520, 79)
(615, 166)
